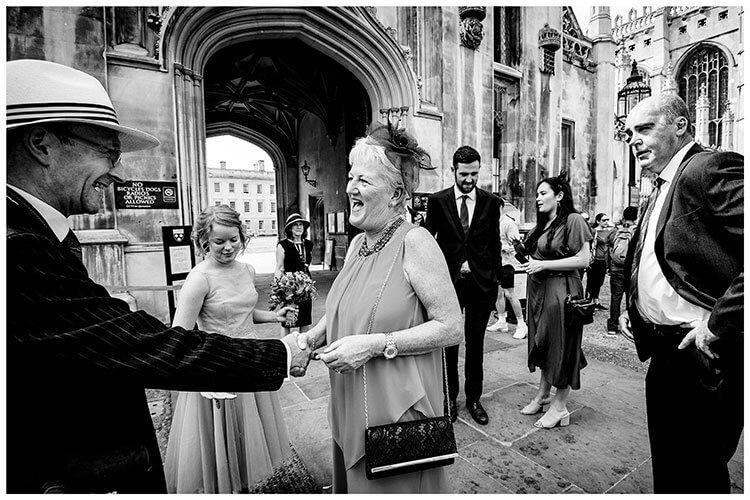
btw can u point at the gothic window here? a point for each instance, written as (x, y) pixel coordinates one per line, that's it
(421, 29)
(706, 67)
(507, 35)
(506, 124)
(567, 139)
(133, 30)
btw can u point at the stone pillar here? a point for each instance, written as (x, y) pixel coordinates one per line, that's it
(612, 194)
(701, 117)
(727, 129)
(104, 257)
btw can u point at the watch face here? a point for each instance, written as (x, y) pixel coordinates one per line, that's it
(390, 352)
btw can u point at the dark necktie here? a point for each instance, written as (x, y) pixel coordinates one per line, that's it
(642, 228)
(464, 214)
(71, 243)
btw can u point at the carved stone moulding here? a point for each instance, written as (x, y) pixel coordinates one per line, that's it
(549, 38)
(471, 31)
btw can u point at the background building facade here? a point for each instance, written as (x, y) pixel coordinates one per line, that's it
(534, 89)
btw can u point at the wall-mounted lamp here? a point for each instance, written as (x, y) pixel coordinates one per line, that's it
(305, 172)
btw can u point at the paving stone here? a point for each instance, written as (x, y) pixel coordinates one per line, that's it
(507, 424)
(594, 452)
(465, 434)
(310, 435)
(639, 481)
(290, 394)
(614, 391)
(465, 478)
(511, 469)
(315, 387)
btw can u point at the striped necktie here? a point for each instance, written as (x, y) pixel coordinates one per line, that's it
(642, 228)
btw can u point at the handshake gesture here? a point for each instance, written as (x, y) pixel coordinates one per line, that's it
(301, 353)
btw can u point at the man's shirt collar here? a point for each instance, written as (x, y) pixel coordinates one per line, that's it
(56, 221)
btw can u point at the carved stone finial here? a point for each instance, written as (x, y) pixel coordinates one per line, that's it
(471, 30)
(549, 38)
(669, 84)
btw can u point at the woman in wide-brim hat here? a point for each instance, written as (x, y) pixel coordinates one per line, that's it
(294, 253)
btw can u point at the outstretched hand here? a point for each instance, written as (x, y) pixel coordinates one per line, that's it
(300, 356)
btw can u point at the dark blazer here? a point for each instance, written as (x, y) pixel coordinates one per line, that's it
(78, 363)
(699, 241)
(480, 247)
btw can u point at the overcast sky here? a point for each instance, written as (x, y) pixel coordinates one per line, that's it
(236, 152)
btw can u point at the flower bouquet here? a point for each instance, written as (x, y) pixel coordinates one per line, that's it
(291, 288)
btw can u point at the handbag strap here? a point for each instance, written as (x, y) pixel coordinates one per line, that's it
(446, 409)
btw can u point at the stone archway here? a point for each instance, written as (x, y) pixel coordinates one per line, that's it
(349, 35)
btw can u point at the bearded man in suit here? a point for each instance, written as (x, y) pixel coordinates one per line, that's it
(464, 220)
(78, 359)
(685, 300)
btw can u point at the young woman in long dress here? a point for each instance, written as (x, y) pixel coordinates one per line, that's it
(223, 442)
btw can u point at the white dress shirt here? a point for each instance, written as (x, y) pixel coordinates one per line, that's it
(471, 201)
(657, 301)
(56, 221)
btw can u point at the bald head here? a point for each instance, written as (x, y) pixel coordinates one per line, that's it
(657, 128)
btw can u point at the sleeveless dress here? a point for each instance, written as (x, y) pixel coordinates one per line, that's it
(554, 345)
(402, 389)
(225, 450)
(293, 263)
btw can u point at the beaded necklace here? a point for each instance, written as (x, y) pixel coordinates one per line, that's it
(365, 251)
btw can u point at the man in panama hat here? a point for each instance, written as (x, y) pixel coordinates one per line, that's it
(78, 359)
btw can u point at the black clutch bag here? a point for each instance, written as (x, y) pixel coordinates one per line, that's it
(409, 446)
(404, 447)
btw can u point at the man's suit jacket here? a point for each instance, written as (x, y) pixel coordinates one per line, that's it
(78, 363)
(699, 241)
(480, 247)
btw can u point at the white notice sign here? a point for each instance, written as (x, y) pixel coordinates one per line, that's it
(180, 257)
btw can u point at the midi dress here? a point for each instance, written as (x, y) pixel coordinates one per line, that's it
(554, 343)
(402, 389)
(225, 449)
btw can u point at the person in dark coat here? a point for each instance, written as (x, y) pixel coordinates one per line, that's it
(464, 220)
(78, 359)
(685, 298)
(294, 254)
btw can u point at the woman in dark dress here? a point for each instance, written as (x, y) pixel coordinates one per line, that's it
(294, 253)
(558, 246)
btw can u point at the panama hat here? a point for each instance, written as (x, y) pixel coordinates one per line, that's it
(295, 218)
(47, 92)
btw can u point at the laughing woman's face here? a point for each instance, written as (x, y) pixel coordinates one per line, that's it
(369, 194)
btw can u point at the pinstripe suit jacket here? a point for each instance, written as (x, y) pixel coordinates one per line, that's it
(78, 363)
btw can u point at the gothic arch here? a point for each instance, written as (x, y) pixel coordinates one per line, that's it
(351, 36)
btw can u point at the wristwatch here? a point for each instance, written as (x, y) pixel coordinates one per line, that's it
(390, 351)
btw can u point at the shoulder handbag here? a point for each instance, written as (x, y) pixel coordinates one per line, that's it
(580, 311)
(404, 447)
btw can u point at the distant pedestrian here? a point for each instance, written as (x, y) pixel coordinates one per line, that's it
(294, 254)
(617, 244)
(599, 257)
(558, 246)
(509, 237)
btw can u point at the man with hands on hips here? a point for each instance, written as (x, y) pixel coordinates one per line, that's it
(685, 299)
